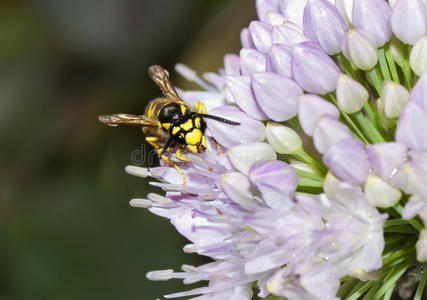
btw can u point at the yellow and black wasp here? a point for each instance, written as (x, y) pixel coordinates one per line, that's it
(169, 123)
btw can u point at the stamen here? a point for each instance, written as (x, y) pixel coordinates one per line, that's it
(189, 269)
(208, 196)
(137, 171)
(191, 75)
(190, 248)
(157, 198)
(160, 275)
(169, 187)
(143, 203)
(194, 279)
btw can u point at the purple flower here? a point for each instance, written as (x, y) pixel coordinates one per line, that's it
(313, 69)
(324, 24)
(291, 207)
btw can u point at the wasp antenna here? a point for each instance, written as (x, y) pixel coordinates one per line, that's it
(216, 118)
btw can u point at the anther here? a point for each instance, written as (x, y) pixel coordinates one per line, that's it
(137, 171)
(143, 203)
(160, 275)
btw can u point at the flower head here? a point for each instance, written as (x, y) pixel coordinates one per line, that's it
(308, 224)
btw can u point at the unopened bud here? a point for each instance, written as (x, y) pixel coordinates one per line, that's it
(379, 193)
(418, 57)
(351, 95)
(283, 139)
(360, 48)
(395, 97)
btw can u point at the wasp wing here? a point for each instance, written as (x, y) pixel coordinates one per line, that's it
(127, 119)
(161, 77)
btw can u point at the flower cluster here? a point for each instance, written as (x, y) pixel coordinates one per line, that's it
(321, 191)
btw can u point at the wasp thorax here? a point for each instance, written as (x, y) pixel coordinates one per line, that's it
(171, 112)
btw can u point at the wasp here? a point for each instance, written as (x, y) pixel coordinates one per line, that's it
(168, 122)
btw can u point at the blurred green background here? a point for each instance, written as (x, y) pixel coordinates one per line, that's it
(67, 231)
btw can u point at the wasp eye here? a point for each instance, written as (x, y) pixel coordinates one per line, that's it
(179, 138)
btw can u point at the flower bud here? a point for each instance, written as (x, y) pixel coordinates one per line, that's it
(324, 24)
(374, 17)
(279, 60)
(293, 10)
(409, 20)
(252, 61)
(419, 92)
(346, 9)
(246, 39)
(396, 48)
(276, 181)
(241, 92)
(379, 193)
(395, 97)
(243, 157)
(277, 95)
(311, 108)
(274, 18)
(239, 189)
(265, 6)
(351, 95)
(232, 64)
(418, 57)
(386, 158)
(328, 132)
(411, 127)
(348, 160)
(288, 34)
(360, 48)
(313, 70)
(231, 135)
(283, 139)
(261, 35)
(381, 114)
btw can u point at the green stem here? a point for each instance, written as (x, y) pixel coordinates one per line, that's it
(377, 80)
(302, 173)
(422, 284)
(383, 64)
(349, 68)
(388, 294)
(317, 166)
(391, 64)
(392, 278)
(368, 128)
(361, 289)
(307, 182)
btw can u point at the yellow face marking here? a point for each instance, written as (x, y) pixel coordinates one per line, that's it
(192, 148)
(187, 125)
(183, 109)
(197, 122)
(194, 137)
(166, 126)
(175, 130)
(204, 142)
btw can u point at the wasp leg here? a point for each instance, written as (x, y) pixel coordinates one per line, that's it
(179, 155)
(152, 140)
(167, 159)
(200, 108)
